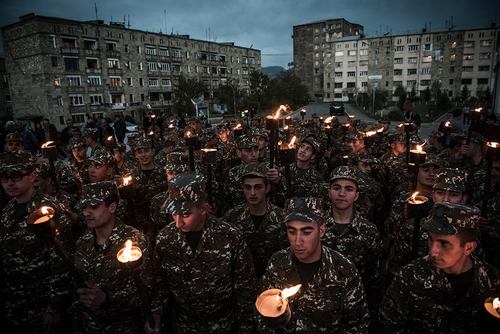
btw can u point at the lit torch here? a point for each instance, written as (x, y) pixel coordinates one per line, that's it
(274, 307)
(288, 154)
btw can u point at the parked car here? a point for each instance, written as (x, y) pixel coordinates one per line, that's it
(337, 108)
(130, 126)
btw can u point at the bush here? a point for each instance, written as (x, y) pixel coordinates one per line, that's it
(395, 115)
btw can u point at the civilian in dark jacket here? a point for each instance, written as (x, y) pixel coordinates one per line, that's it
(65, 136)
(120, 128)
(106, 131)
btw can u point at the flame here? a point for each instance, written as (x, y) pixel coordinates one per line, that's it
(345, 157)
(371, 133)
(289, 292)
(419, 147)
(45, 210)
(414, 195)
(496, 304)
(321, 118)
(494, 144)
(126, 180)
(329, 119)
(47, 144)
(286, 128)
(400, 125)
(171, 126)
(188, 134)
(245, 111)
(151, 133)
(110, 137)
(292, 145)
(280, 143)
(478, 109)
(282, 107)
(237, 127)
(153, 116)
(128, 254)
(351, 116)
(448, 124)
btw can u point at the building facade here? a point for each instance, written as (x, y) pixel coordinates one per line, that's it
(61, 69)
(454, 56)
(5, 97)
(310, 43)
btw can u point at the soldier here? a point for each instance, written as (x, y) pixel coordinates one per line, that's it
(332, 298)
(130, 155)
(101, 167)
(445, 156)
(355, 141)
(491, 235)
(43, 181)
(443, 292)
(350, 234)
(153, 174)
(14, 142)
(223, 164)
(263, 140)
(222, 132)
(91, 138)
(35, 283)
(203, 267)
(81, 164)
(259, 220)
(110, 299)
(434, 145)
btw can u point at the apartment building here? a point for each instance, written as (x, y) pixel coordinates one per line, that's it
(67, 69)
(5, 97)
(309, 44)
(455, 56)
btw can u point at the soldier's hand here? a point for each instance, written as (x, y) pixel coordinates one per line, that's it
(118, 179)
(92, 297)
(482, 223)
(464, 150)
(50, 320)
(273, 175)
(157, 328)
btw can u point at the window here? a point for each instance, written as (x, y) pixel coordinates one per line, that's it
(338, 85)
(398, 60)
(131, 97)
(54, 61)
(427, 59)
(176, 68)
(338, 64)
(138, 49)
(426, 70)
(142, 97)
(440, 70)
(485, 55)
(115, 82)
(338, 74)
(153, 82)
(76, 100)
(351, 52)
(363, 63)
(129, 81)
(164, 67)
(469, 44)
(484, 68)
(450, 93)
(412, 60)
(351, 74)
(399, 49)
(467, 68)
(141, 82)
(166, 82)
(398, 83)
(91, 63)
(176, 53)
(411, 83)
(363, 73)
(452, 57)
(215, 83)
(482, 81)
(89, 45)
(427, 47)
(164, 52)
(412, 48)
(152, 67)
(337, 95)
(57, 82)
(339, 53)
(363, 52)
(364, 84)
(466, 81)
(425, 82)
(452, 69)
(95, 99)
(412, 71)
(74, 81)
(111, 46)
(398, 72)
(245, 71)
(150, 50)
(454, 44)
(351, 63)
(113, 63)
(451, 82)
(127, 50)
(59, 101)
(468, 56)
(52, 41)
(485, 42)
(139, 66)
(69, 43)
(351, 84)
(80, 118)
(71, 64)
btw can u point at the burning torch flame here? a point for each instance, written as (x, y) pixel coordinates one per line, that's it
(171, 126)
(110, 137)
(371, 133)
(282, 107)
(151, 133)
(47, 144)
(245, 111)
(419, 147)
(289, 292)
(292, 145)
(448, 124)
(494, 144)
(329, 119)
(496, 304)
(286, 127)
(351, 116)
(128, 254)
(126, 180)
(478, 109)
(237, 127)
(45, 210)
(153, 116)
(413, 196)
(380, 130)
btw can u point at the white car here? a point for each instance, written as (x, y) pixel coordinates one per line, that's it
(130, 126)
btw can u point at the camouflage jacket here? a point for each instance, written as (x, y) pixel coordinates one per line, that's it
(491, 236)
(34, 278)
(130, 157)
(444, 160)
(68, 178)
(332, 302)
(310, 185)
(232, 189)
(100, 266)
(97, 150)
(160, 158)
(264, 241)
(395, 167)
(361, 243)
(420, 299)
(395, 220)
(158, 218)
(476, 177)
(83, 171)
(216, 282)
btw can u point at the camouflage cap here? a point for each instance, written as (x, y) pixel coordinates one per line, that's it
(358, 135)
(207, 134)
(304, 209)
(259, 170)
(451, 179)
(90, 132)
(74, 131)
(437, 134)
(415, 139)
(449, 218)
(95, 193)
(395, 136)
(262, 133)
(14, 136)
(344, 172)
(363, 156)
(15, 160)
(430, 159)
(156, 129)
(314, 115)
(143, 142)
(177, 162)
(257, 117)
(120, 147)
(42, 170)
(132, 138)
(103, 157)
(458, 137)
(221, 128)
(184, 191)
(313, 142)
(171, 130)
(140, 127)
(194, 119)
(179, 144)
(478, 139)
(247, 141)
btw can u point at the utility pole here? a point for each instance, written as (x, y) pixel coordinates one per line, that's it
(374, 73)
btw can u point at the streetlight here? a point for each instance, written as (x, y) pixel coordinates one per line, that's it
(374, 74)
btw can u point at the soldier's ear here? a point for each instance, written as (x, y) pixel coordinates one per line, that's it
(238, 152)
(470, 247)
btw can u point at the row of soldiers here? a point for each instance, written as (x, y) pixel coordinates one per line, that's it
(203, 257)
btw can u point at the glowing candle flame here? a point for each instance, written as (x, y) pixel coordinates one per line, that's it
(282, 107)
(237, 127)
(292, 145)
(128, 253)
(414, 196)
(126, 180)
(110, 137)
(47, 144)
(496, 304)
(45, 210)
(370, 133)
(289, 292)
(447, 124)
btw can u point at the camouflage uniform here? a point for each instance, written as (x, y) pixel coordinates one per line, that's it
(81, 170)
(121, 311)
(212, 289)
(43, 170)
(421, 298)
(34, 279)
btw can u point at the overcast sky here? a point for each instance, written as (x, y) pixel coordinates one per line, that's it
(265, 24)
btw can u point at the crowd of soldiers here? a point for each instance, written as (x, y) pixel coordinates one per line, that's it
(215, 233)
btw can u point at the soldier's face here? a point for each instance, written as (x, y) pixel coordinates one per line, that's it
(255, 190)
(13, 146)
(262, 142)
(248, 155)
(495, 172)
(356, 146)
(223, 136)
(343, 193)
(193, 221)
(446, 253)
(80, 153)
(171, 174)
(119, 156)
(19, 188)
(305, 239)
(42, 183)
(305, 152)
(439, 195)
(398, 146)
(364, 167)
(141, 132)
(99, 215)
(98, 172)
(427, 175)
(145, 155)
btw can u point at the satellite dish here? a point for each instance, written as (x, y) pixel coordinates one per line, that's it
(124, 82)
(88, 81)
(126, 64)
(148, 106)
(159, 64)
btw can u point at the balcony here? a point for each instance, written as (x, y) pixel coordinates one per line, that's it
(178, 59)
(115, 71)
(112, 54)
(94, 70)
(151, 57)
(153, 73)
(165, 74)
(163, 58)
(97, 108)
(76, 90)
(116, 89)
(70, 51)
(96, 89)
(95, 53)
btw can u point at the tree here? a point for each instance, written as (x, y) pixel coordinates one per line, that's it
(258, 85)
(443, 103)
(436, 89)
(186, 89)
(230, 94)
(465, 93)
(286, 89)
(400, 92)
(426, 96)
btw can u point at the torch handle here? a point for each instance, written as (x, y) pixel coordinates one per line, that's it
(407, 148)
(469, 137)
(54, 177)
(69, 263)
(191, 158)
(146, 307)
(288, 181)
(272, 149)
(489, 167)
(416, 238)
(415, 177)
(209, 183)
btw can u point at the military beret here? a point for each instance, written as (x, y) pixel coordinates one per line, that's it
(103, 158)
(143, 142)
(344, 172)
(449, 218)
(14, 136)
(304, 209)
(450, 179)
(177, 162)
(42, 170)
(184, 191)
(90, 132)
(120, 147)
(313, 142)
(259, 170)
(15, 161)
(95, 193)
(247, 141)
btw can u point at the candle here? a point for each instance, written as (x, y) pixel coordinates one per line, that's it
(288, 152)
(369, 139)
(345, 127)
(418, 206)
(491, 150)
(413, 199)
(417, 156)
(408, 127)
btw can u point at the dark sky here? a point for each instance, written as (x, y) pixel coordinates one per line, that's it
(265, 24)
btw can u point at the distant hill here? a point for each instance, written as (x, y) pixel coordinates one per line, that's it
(272, 71)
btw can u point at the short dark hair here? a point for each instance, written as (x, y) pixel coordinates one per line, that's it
(467, 235)
(111, 199)
(266, 181)
(492, 117)
(457, 112)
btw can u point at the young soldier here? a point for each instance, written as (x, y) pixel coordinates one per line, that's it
(332, 298)
(258, 219)
(202, 266)
(110, 299)
(36, 285)
(443, 292)
(14, 142)
(81, 164)
(101, 167)
(154, 175)
(263, 140)
(91, 137)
